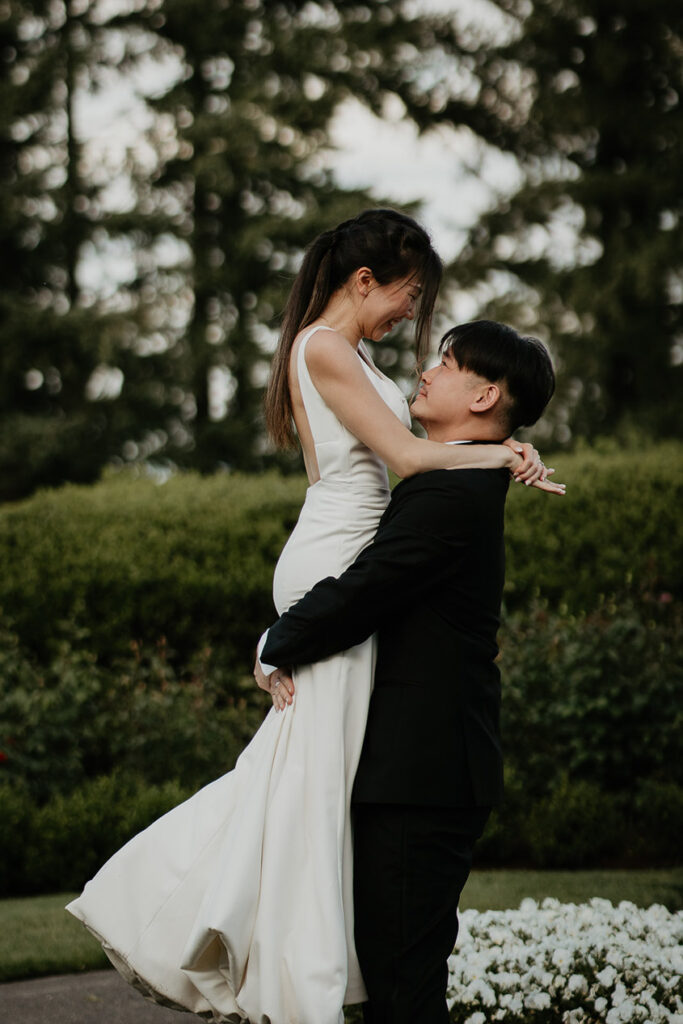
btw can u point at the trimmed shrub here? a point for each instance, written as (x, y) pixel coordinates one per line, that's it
(618, 531)
(76, 834)
(578, 825)
(192, 560)
(656, 818)
(130, 560)
(65, 841)
(598, 697)
(17, 814)
(71, 719)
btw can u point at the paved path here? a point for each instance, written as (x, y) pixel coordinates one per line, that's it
(98, 997)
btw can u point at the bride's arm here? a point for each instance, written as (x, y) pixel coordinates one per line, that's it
(341, 381)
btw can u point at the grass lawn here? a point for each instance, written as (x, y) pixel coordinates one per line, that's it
(38, 937)
(503, 890)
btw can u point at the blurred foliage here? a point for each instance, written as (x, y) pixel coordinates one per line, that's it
(70, 719)
(57, 339)
(131, 561)
(597, 696)
(58, 845)
(618, 531)
(587, 252)
(578, 824)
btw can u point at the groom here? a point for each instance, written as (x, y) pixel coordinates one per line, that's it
(430, 586)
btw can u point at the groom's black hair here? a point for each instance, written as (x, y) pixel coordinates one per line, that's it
(498, 353)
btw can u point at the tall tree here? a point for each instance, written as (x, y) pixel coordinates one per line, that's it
(56, 422)
(589, 251)
(252, 111)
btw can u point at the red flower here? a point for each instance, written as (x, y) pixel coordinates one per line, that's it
(3, 756)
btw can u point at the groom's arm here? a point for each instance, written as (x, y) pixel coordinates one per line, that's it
(422, 541)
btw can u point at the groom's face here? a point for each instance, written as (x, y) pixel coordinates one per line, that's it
(446, 394)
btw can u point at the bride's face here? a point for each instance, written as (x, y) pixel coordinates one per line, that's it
(383, 306)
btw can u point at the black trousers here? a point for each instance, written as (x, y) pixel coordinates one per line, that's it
(410, 865)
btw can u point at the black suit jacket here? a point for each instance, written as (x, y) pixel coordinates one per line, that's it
(430, 585)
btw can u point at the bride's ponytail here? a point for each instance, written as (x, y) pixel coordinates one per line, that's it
(309, 295)
(392, 245)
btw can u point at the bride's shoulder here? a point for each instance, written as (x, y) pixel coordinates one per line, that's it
(328, 353)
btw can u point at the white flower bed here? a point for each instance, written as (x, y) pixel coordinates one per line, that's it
(561, 963)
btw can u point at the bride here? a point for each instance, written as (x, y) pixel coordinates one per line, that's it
(237, 904)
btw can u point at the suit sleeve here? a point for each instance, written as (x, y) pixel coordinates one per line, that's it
(417, 546)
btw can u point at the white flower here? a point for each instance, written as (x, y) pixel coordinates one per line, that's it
(561, 957)
(537, 1001)
(476, 1018)
(622, 965)
(479, 990)
(624, 1012)
(607, 976)
(577, 985)
(512, 1002)
(618, 995)
(576, 1016)
(497, 935)
(550, 903)
(528, 906)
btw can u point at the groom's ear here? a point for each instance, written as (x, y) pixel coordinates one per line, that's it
(485, 398)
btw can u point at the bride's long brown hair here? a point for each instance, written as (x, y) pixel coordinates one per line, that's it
(393, 246)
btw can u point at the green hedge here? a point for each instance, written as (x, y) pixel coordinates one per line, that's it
(57, 846)
(130, 560)
(597, 696)
(618, 530)
(579, 825)
(192, 560)
(71, 719)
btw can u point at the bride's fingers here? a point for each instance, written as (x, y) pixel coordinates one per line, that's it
(278, 703)
(538, 472)
(531, 469)
(550, 487)
(282, 691)
(286, 686)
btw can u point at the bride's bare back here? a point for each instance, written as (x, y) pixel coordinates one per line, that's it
(303, 427)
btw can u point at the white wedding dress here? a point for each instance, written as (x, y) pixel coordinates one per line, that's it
(237, 905)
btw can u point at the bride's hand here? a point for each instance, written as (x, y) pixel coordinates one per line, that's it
(279, 684)
(530, 468)
(549, 486)
(282, 689)
(261, 678)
